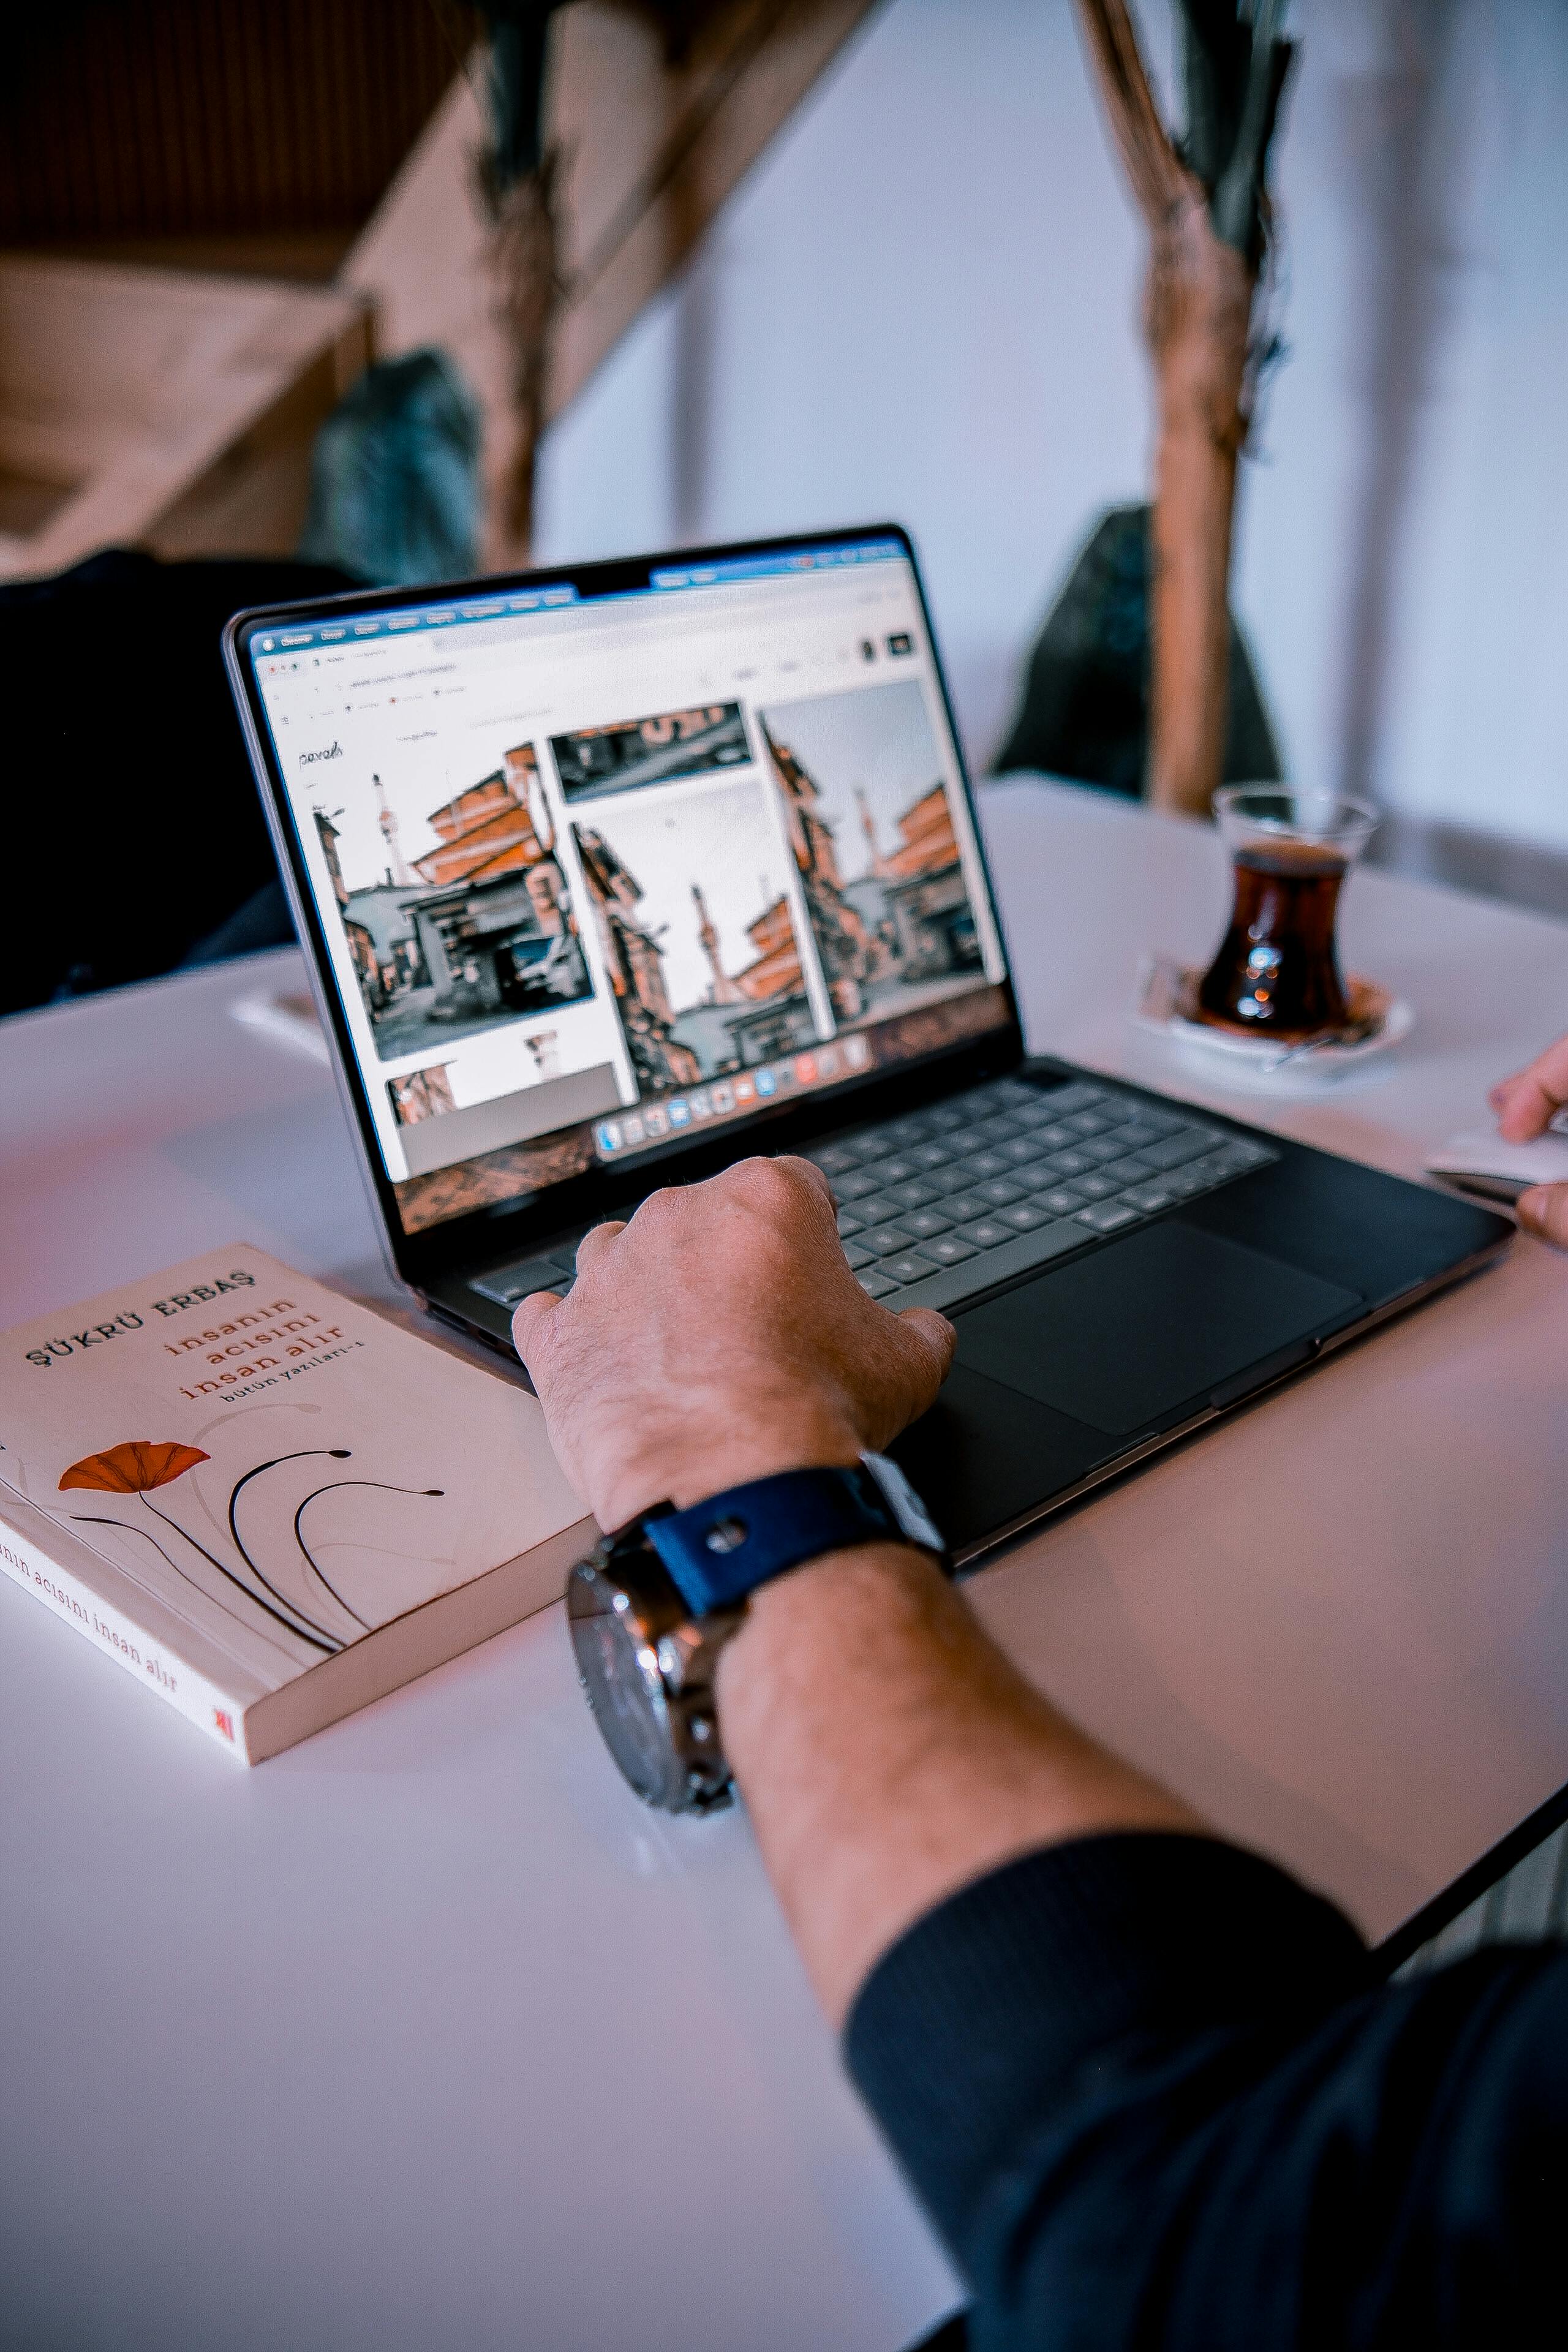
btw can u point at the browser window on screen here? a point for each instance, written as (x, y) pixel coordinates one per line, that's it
(597, 873)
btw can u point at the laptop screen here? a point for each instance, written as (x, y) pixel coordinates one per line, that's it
(599, 872)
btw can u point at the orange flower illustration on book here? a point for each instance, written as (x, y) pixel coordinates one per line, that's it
(137, 1466)
(132, 1468)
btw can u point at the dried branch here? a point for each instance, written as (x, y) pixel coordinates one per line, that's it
(1159, 179)
(1206, 205)
(1238, 206)
(518, 175)
(1216, 50)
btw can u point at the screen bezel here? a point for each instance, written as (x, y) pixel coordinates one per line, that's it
(489, 1235)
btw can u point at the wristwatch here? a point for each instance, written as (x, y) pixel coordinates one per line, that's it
(652, 1606)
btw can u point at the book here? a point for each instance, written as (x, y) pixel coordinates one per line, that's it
(267, 1502)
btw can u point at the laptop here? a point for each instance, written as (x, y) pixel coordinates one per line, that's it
(609, 876)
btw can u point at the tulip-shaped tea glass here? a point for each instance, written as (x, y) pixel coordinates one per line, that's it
(1277, 974)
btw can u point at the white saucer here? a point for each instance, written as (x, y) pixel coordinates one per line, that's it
(1166, 988)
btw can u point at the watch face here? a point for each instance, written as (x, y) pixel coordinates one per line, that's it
(620, 1670)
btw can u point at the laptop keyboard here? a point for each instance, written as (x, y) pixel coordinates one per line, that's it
(943, 1203)
(991, 1183)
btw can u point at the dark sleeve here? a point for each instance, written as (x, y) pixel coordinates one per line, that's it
(1153, 2095)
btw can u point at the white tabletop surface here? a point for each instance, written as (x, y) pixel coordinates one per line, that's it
(424, 2034)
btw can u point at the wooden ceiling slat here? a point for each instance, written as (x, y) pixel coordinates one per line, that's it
(216, 118)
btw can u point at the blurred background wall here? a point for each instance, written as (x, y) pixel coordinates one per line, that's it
(922, 303)
(811, 262)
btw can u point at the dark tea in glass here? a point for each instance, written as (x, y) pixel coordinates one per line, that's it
(1277, 973)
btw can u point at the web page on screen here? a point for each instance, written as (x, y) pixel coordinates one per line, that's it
(596, 874)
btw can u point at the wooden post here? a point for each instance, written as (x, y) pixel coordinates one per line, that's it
(1207, 215)
(530, 280)
(523, 258)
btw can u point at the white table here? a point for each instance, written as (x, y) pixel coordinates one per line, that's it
(424, 2034)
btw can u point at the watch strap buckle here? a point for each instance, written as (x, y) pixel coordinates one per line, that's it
(722, 1550)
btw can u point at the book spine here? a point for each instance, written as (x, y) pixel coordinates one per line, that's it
(198, 1700)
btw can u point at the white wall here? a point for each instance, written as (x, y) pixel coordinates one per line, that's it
(923, 304)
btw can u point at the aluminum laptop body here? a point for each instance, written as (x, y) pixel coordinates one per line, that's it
(610, 875)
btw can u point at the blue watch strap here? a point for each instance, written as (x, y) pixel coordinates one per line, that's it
(721, 1551)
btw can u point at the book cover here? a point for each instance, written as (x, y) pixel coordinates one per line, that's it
(267, 1502)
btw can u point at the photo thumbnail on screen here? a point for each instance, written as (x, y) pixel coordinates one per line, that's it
(421, 1094)
(871, 827)
(457, 918)
(697, 932)
(597, 761)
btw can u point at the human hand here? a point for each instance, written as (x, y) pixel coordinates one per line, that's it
(1526, 1105)
(719, 1336)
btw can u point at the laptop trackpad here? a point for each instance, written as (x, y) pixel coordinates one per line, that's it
(1122, 1337)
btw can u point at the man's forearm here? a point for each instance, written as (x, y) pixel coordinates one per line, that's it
(889, 1753)
(1140, 2081)
(886, 1751)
